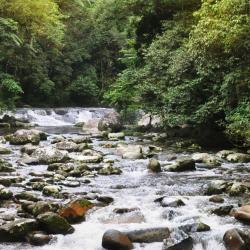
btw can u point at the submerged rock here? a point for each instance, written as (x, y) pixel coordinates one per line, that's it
(54, 223)
(149, 235)
(235, 239)
(114, 240)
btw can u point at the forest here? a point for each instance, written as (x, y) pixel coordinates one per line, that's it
(185, 60)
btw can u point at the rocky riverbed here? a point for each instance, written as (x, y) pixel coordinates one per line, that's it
(65, 188)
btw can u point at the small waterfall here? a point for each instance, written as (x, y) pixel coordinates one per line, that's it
(59, 116)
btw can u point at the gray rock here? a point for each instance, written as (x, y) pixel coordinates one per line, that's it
(6, 166)
(5, 194)
(238, 157)
(38, 238)
(111, 121)
(183, 164)
(154, 165)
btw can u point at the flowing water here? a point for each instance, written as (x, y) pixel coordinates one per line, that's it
(135, 187)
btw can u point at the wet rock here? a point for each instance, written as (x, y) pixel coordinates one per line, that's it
(235, 239)
(216, 199)
(224, 153)
(237, 189)
(51, 190)
(4, 150)
(238, 157)
(105, 199)
(67, 145)
(216, 187)
(5, 194)
(149, 235)
(135, 216)
(170, 202)
(170, 214)
(81, 139)
(116, 136)
(27, 196)
(38, 238)
(108, 169)
(28, 149)
(130, 151)
(87, 156)
(206, 158)
(223, 210)
(17, 230)
(54, 223)
(114, 240)
(242, 213)
(178, 241)
(42, 207)
(49, 155)
(70, 183)
(183, 164)
(38, 185)
(154, 165)
(6, 166)
(125, 210)
(75, 211)
(111, 121)
(194, 227)
(23, 136)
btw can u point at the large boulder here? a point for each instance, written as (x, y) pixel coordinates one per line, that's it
(75, 211)
(48, 155)
(54, 223)
(235, 239)
(130, 151)
(238, 157)
(182, 164)
(149, 235)
(17, 230)
(114, 240)
(111, 121)
(24, 136)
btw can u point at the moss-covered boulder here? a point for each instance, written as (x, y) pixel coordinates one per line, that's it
(54, 223)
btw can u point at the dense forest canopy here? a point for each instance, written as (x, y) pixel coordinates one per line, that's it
(186, 60)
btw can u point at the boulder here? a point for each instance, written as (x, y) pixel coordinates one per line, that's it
(4, 150)
(105, 199)
(54, 224)
(134, 216)
(237, 189)
(116, 136)
(206, 158)
(154, 165)
(28, 196)
(110, 121)
(108, 169)
(6, 166)
(17, 230)
(216, 199)
(67, 145)
(170, 202)
(51, 190)
(5, 194)
(179, 240)
(114, 240)
(149, 235)
(87, 156)
(223, 210)
(224, 153)
(38, 238)
(28, 149)
(48, 155)
(242, 213)
(130, 151)
(216, 187)
(235, 239)
(75, 211)
(182, 164)
(238, 157)
(41, 207)
(24, 136)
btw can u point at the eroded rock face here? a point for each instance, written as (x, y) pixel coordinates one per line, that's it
(54, 223)
(114, 240)
(235, 239)
(111, 121)
(24, 136)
